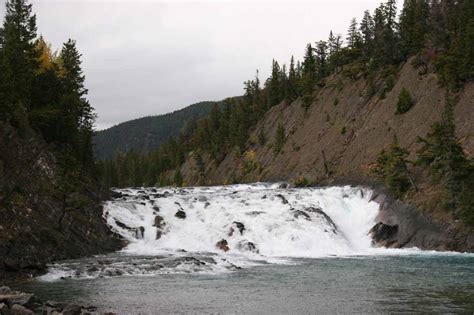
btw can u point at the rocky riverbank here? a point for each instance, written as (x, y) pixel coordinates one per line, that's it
(20, 303)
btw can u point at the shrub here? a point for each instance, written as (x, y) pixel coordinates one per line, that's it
(405, 102)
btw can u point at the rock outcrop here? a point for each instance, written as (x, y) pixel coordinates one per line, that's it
(40, 223)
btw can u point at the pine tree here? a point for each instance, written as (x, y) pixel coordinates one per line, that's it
(308, 76)
(413, 26)
(273, 86)
(405, 102)
(280, 138)
(442, 153)
(353, 35)
(321, 55)
(292, 86)
(367, 34)
(392, 166)
(78, 114)
(18, 57)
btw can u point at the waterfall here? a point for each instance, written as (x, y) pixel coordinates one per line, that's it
(256, 221)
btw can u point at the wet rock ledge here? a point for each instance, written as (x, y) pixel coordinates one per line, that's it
(19, 303)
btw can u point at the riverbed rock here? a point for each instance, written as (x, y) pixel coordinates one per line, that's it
(223, 245)
(139, 232)
(247, 247)
(20, 310)
(384, 234)
(72, 309)
(159, 221)
(240, 226)
(5, 289)
(298, 213)
(15, 297)
(283, 199)
(116, 194)
(180, 214)
(4, 310)
(325, 216)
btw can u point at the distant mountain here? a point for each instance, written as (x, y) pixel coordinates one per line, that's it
(147, 133)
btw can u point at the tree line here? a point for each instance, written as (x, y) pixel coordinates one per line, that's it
(43, 90)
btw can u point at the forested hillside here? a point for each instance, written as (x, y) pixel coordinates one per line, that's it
(49, 192)
(391, 103)
(147, 133)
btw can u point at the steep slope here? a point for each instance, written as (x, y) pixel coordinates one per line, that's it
(147, 133)
(38, 222)
(338, 138)
(351, 131)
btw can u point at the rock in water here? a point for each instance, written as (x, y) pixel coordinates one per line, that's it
(180, 214)
(223, 245)
(299, 213)
(116, 194)
(240, 226)
(384, 234)
(159, 221)
(4, 308)
(19, 310)
(283, 199)
(72, 309)
(247, 246)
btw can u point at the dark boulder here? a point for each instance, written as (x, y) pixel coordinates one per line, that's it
(72, 309)
(159, 233)
(116, 194)
(384, 234)
(180, 214)
(283, 199)
(20, 310)
(159, 221)
(240, 226)
(4, 310)
(325, 216)
(298, 213)
(223, 245)
(247, 246)
(15, 297)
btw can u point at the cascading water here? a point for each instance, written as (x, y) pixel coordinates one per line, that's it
(253, 220)
(215, 229)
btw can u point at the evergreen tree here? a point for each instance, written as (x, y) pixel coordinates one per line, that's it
(367, 34)
(18, 57)
(273, 86)
(280, 138)
(405, 102)
(321, 54)
(413, 26)
(442, 153)
(308, 76)
(353, 35)
(78, 114)
(392, 166)
(292, 87)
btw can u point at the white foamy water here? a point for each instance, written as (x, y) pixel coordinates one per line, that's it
(308, 222)
(177, 230)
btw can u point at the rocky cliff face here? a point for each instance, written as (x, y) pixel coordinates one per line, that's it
(338, 138)
(36, 226)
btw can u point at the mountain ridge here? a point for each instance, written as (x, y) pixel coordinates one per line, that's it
(149, 132)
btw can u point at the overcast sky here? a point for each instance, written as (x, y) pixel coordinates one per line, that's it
(152, 57)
